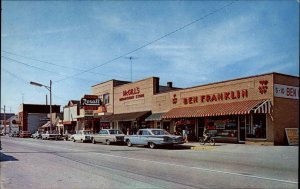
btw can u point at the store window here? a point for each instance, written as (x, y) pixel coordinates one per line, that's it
(258, 127)
(223, 126)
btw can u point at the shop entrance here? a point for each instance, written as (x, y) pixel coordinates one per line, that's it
(186, 126)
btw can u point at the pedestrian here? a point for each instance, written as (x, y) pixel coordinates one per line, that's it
(185, 135)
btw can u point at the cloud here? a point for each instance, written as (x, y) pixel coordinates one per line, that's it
(214, 47)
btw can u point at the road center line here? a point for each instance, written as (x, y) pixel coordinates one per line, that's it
(204, 169)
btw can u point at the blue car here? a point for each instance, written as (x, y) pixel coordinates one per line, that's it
(153, 138)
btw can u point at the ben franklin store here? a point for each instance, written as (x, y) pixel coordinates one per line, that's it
(253, 109)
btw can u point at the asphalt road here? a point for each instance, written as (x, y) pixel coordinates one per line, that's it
(31, 163)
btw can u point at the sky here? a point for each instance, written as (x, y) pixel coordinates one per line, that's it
(77, 44)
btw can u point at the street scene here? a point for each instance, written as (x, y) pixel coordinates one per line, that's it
(31, 163)
(149, 94)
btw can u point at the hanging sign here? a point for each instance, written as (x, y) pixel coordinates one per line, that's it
(90, 102)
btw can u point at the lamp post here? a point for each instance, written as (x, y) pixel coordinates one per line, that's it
(50, 90)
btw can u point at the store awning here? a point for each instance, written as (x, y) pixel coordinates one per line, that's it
(134, 116)
(154, 117)
(234, 108)
(265, 107)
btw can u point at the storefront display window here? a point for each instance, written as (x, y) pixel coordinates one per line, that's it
(258, 127)
(188, 126)
(224, 126)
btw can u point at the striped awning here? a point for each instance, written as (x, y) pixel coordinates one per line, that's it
(233, 108)
(265, 107)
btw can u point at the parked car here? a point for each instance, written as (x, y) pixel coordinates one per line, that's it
(37, 135)
(25, 134)
(82, 135)
(48, 136)
(108, 136)
(152, 138)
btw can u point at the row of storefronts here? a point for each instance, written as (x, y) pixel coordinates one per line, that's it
(252, 109)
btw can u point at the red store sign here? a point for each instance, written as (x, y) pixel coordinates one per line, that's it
(131, 94)
(228, 95)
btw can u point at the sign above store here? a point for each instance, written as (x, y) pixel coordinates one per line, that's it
(286, 91)
(91, 102)
(228, 95)
(132, 94)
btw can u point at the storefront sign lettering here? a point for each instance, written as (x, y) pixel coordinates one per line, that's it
(286, 91)
(90, 102)
(133, 91)
(131, 94)
(229, 95)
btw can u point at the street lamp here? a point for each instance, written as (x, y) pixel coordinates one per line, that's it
(49, 88)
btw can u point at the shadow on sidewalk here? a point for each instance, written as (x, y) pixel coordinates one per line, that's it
(4, 157)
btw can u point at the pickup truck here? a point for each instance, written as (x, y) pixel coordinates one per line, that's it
(153, 138)
(82, 135)
(48, 136)
(108, 136)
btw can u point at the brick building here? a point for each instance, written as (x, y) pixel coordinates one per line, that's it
(32, 116)
(256, 108)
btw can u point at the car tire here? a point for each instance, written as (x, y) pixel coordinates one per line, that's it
(129, 144)
(93, 141)
(152, 145)
(74, 140)
(107, 142)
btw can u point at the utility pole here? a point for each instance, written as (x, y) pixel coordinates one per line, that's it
(49, 88)
(4, 121)
(130, 58)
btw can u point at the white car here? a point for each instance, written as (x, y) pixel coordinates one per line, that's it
(108, 136)
(82, 135)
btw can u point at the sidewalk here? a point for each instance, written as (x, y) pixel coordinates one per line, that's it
(233, 147)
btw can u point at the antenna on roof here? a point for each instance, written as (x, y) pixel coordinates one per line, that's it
(130, 58)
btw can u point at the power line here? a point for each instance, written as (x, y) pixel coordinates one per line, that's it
(19, 62)
(15, 76)
(154, 41)
(51, 63)
(27, 82)
(28, 65)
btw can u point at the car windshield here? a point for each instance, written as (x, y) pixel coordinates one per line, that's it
(160, 132)
(87, 132)
(115, 132)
